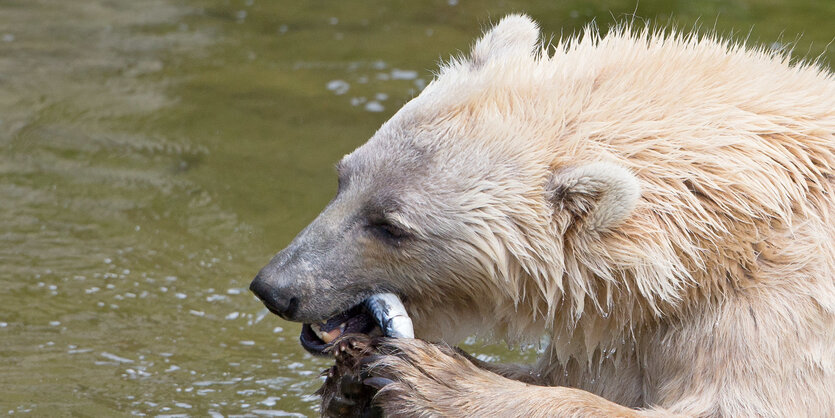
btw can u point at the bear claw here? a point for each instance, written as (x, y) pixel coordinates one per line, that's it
(377, 382)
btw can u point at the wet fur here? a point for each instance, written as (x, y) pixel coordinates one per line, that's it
(710, 294)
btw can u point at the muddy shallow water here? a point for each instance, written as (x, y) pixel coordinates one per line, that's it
(154, 155)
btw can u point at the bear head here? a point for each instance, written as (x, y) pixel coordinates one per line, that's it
(462, 204)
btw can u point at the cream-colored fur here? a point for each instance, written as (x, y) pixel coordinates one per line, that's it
(608, 191)
(659, 204)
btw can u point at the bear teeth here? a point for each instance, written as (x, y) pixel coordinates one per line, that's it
(328, 336)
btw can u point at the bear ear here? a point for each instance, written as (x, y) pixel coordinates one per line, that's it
(514, 35)
(599, 195)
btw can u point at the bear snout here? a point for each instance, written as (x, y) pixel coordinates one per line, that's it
(278, 301)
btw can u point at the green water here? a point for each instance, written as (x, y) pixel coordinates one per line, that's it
(155, 154)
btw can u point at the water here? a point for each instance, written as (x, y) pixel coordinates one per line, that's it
(155, 154)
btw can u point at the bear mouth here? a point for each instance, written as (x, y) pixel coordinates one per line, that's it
(316, 338)
(382, 314)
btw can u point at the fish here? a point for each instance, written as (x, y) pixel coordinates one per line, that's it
(390, 314)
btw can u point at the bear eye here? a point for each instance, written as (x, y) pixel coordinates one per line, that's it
(387, 231)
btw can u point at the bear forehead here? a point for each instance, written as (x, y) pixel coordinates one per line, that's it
(432, 154)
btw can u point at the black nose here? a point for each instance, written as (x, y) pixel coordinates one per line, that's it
(279, 303)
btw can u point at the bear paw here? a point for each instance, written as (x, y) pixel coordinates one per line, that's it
(417, 378)
(344, 394)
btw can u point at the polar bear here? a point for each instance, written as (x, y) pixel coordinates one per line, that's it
(658, 204)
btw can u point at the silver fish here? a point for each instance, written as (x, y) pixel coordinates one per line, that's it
(390, 313)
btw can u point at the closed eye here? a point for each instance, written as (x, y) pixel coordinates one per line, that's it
(387, 231)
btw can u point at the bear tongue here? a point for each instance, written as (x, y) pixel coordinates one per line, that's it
(354, 320)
